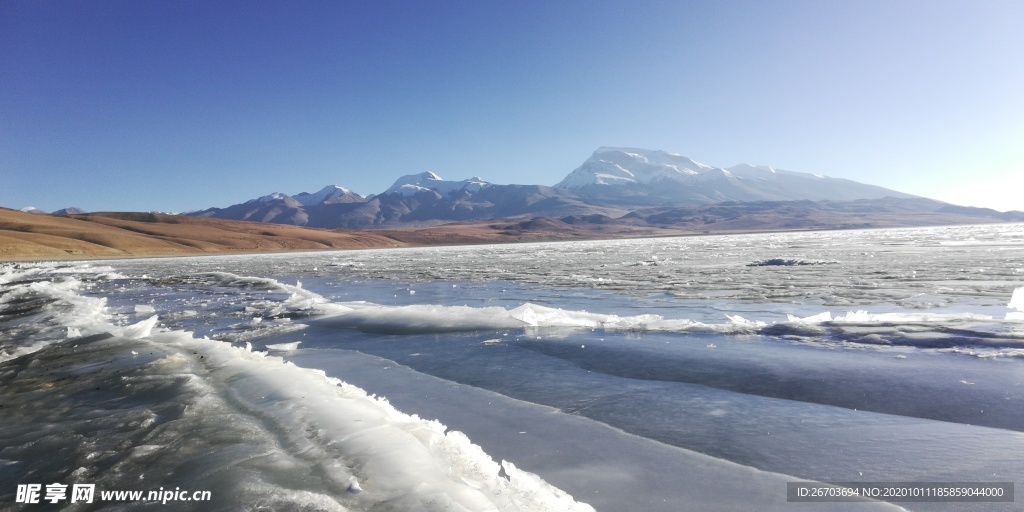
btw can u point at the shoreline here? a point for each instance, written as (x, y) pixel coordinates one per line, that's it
(29, 238)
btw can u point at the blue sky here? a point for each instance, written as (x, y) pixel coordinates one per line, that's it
(180, 105)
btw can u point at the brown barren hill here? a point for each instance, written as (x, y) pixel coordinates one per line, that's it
(25, 236)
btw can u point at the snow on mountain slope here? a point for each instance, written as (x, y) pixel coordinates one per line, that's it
(415, 183)
(649, 176)
(328, 195)
(616, 166)
(753, 171)
(269, 198)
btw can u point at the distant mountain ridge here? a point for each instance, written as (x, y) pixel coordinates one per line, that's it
(422, 199)
(71, 210)
(427, 181)
(613, 182)
(631, 177)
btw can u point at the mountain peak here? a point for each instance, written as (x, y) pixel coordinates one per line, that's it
(643, 176)
(71, 210)
(625, 166)
(333, 188)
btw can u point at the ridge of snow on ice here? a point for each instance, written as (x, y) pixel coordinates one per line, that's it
(62, 312)
(1016, 302)
(860, 327)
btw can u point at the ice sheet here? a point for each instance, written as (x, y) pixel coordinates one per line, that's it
(285, 436)
(608, 468)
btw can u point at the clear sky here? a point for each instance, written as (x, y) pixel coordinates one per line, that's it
(180, 105)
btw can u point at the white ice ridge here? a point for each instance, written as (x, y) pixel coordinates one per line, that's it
(437, 318)
(1016, 302)
(408, 462)
(299, 299)
(63, 312)
(434, 318)
(864, 317)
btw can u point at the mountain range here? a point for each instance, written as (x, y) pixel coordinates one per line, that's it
(612, 183)
(63, 211)
(616, 193)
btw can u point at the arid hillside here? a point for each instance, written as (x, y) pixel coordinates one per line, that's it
(26, 236)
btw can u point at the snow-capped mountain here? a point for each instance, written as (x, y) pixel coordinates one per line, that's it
(637, 177)
(32, 209)
(415, 183)
(622, 166)
(327, 195)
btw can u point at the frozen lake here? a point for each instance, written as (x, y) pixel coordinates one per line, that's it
(694, 373)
